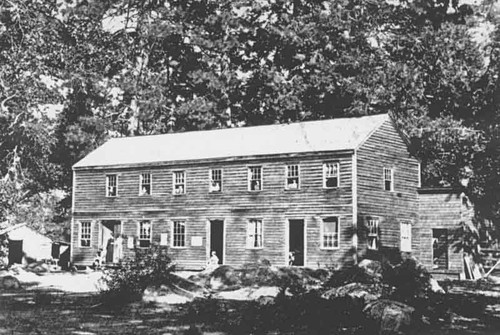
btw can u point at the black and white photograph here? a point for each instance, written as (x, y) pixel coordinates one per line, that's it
(217, 167)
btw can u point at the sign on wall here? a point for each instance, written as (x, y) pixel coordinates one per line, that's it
(406, 236)
(196, 241)
(130, 242)
(163, 239)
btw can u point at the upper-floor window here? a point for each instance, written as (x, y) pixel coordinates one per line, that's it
(255, 178)
(179, 234)
(179, 182)
(111, 185)
(144, 234)
(145, 184)
(85, 233)
(292, 177)
(330, 236)
(254, 234)
(331, 174)
(388, 179)
(215, 180)
(373, 233)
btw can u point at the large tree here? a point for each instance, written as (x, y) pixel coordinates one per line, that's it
(135, 67)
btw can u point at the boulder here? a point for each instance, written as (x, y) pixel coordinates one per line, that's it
(366, 292)
(265, 300)
(223, 277)
(435, 287)
(371, 267)
(9, 283)
(393, 317)
(164, 295)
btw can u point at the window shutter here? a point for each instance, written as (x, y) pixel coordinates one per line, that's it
(406, 236)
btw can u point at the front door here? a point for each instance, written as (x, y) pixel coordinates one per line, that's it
(217, 239)
(110, 235)
(296, 243)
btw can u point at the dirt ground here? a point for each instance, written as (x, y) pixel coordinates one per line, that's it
(66, 303)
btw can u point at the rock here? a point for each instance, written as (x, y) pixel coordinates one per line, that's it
(371, 267)
(435, 287)
(9, 283)
(393, 317)
(222, 277)
(367, 292)
(263, 294)
(163, 295)
(265, 300)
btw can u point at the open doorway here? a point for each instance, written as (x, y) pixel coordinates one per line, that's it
(440, 249)
(15, 252)
(111, 241)
(217, 239)
(296, 242)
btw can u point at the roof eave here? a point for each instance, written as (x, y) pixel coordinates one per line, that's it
(213, 160)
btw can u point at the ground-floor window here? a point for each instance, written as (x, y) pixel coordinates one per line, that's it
(179, 234)
(439, 248)
(330, 233)
(145, 234)
(85, 233)
(254, 234)
(373, 238)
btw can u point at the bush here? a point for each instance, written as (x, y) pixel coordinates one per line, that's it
(410, 279)
(126, 283)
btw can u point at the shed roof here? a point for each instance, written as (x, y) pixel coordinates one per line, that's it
(311, 136)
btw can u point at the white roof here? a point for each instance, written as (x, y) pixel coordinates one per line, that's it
(312, 136)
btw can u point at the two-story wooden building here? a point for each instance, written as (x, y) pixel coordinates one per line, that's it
(326, 191)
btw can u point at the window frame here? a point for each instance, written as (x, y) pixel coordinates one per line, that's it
(211, 180)
(139, 239)
(250, 237)
(373, 232)
(391, 180)
(250, 177)
(108, 195)
(175, 184)
(184, 234)
(322, 233)
(141, 184)
(419, 169)
(324, 166)
(80, 234)
(288, 176)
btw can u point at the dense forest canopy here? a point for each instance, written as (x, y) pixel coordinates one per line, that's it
(74, 73)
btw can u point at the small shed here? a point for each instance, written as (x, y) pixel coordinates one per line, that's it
(26, 244)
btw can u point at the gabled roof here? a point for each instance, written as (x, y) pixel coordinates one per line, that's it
(311, 136)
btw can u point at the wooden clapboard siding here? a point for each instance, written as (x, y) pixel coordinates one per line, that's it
(441, 209)
(84, 255)
(386, 148)
(235, 205)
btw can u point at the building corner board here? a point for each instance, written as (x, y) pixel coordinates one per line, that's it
(355, 205)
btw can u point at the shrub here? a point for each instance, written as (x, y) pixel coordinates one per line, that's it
(410, 279)
(126, 283)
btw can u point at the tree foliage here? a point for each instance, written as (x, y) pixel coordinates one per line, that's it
(124, 68)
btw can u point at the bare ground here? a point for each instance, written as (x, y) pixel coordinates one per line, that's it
(69, 304)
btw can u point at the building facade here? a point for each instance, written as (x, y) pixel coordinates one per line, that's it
(318, 193)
